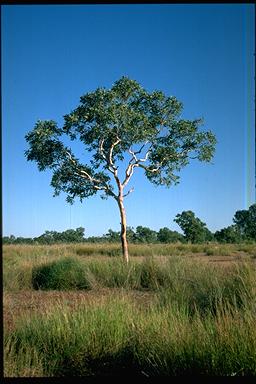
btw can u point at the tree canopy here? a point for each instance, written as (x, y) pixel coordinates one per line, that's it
(194, 229)
(245, 220)
(114, 124)
(110, 123)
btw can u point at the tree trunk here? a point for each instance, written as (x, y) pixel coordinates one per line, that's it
(123, 229)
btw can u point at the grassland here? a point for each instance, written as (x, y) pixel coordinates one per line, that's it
(78, 310)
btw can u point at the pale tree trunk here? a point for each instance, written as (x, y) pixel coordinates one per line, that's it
(123, 228)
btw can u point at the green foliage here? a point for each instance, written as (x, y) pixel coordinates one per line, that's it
(50, 237)
(130, 234)
(245, 221)
(194, 229)
(165, 235)
(64, 274)
(112, 236)
(145, 235)
(229, 234)
(68, 236)
(17, 240)
(109, 123)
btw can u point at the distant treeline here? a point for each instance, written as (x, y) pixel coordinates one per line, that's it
(194, 231)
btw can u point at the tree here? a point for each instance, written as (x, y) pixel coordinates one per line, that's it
(229, 234)
(145, 235)
(245, 220)
(165, 235)
(112, 236)
(130, 234)
(194, 229)
(68, 236)
(71, 235)
(48, 237)
(125, 126)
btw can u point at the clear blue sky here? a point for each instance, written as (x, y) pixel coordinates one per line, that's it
(202, 54)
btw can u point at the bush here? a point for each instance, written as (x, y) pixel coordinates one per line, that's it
(151, 275)
(64, 274)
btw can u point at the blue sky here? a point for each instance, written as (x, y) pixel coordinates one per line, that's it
(201, 53)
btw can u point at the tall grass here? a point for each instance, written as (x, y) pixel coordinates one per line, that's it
(32, 252)
(201, 321)
(19, 260)
(180, 281)
(118, 338)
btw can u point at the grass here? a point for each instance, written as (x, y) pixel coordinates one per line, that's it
(19, 260)
(201, 320)
(118, 338)
(63, 274)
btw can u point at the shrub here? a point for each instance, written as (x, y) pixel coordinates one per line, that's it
(152, 275)
(64, 274)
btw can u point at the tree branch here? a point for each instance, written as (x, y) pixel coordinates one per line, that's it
(129, 173)
(130, 191)
(148, 168)
(111, 152)
(102, 150)
(109, 160)
(87, 176)
(134, 153)
(136, 163)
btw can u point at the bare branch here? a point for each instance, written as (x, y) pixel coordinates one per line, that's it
(109, 160)
(105, 187)
(133, 155)
(149, 169)
(129, 173)
(130, 191)
(111, 152)
(87, 176)
(102, 150)
(146, 157)
(135, 162)
(70, 157)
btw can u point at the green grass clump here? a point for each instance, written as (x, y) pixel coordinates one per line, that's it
(147, 275)
(64, 274)
(201, 287)
(116, 337)
(81, 343)
(198, 287)
(22, 361)
(72, 273)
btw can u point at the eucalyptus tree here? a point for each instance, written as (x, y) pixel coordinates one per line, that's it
(194, 229)
(122, 129)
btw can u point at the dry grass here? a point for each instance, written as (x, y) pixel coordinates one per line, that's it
(194, 312)
(24, 304)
